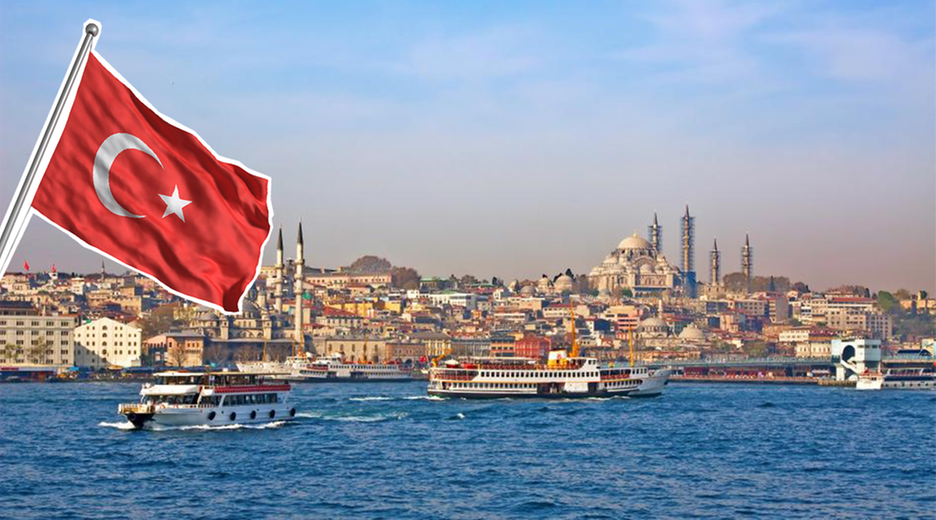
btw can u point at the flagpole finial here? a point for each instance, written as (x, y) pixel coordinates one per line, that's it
(93, 29)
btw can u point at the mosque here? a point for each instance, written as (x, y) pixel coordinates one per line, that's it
(637, 266)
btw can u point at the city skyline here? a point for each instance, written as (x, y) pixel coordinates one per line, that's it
(501, 142)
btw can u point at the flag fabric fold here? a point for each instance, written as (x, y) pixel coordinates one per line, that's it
(138, 187)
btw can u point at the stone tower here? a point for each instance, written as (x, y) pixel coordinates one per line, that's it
(716, 264)
(688, 253)
(300, 274)
(747, 263)
(655, 234)
(278, 289)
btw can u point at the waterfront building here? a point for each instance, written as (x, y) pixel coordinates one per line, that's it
(28, 337)
(105, 342)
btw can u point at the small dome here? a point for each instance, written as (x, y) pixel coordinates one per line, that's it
(634, 242)
(652, 323)
(692, 333)
(527, 290)
(646, 269)
(563, 283)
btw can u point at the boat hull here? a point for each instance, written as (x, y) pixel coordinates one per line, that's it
(224, 416)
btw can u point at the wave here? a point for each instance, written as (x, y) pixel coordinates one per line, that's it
(424, 398)
(457, 417)
(354, 418)
(121, 425)
(126, 425)
(371, 398)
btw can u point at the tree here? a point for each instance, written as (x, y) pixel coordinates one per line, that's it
(160, 320)
(902, 294)
(404, 278)
(887, 302)
(38, 352)
(755, 349)
(214, 353)
(800, 287)
(7, 352)
(370, 264)
(854, 290)
(176, 355)
(245, 353)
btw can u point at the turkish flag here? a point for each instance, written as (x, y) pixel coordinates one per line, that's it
(136, 186)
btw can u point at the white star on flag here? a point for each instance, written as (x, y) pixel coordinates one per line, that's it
(174, 204)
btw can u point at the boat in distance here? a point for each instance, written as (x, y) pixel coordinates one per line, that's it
(210, 399)
(331, 369)
(897, 379)
(560, 377)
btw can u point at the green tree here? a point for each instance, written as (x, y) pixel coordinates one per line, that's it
(888, 303)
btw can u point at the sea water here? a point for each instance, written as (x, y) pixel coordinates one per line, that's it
(386, 450)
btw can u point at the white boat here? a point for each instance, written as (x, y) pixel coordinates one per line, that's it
(331, 369)
(210, 399)
(900, 379)
(560, 377)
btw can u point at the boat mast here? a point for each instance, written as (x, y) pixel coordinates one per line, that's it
(575, 347)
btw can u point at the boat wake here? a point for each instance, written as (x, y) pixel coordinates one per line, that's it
(424, 398)
(371, 398)
(122, 425)
(126, 425)
(354, 418)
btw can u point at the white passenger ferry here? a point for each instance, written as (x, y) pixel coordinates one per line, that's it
(332, 369)
(560, 377)
(210, 398)
(900, 379)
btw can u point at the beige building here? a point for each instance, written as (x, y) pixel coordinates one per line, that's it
(105, 342)
(352, 349)
(28, 338)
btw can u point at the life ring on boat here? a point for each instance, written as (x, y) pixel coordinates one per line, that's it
(233, 415)
(292, 412)
(211, 416)
(253, 414)
(272, 414)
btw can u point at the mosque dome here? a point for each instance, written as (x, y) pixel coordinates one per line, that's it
(527, 290)
(646, 269)
(692, 333)
(563, 283)
(634, 242)
(653, 323)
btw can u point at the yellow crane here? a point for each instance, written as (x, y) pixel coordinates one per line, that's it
(435, 360)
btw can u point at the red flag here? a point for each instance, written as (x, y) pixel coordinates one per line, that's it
(145, 191)
(26, 265)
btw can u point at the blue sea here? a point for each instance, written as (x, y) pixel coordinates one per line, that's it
(387, 451)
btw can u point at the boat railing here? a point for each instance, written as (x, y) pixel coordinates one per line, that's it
(135, 408)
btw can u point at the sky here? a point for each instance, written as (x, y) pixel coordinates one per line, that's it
(512, 139)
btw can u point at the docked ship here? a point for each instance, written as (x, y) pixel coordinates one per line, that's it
(900, 379)
(564, 375)
(332, 369)
(210, 399)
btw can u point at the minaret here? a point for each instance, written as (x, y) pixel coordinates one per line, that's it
(300, 272)
(279, 273)
(688, 253)
(747, 262)
(716, 264)
(654, 233)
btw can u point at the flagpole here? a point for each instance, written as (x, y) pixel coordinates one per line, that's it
(17, 218)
